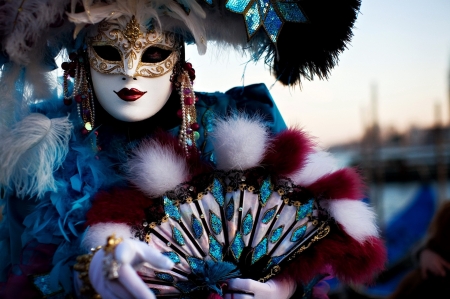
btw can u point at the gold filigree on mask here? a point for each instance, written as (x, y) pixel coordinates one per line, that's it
(131, 44)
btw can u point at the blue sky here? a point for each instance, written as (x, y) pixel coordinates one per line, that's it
(401, 47)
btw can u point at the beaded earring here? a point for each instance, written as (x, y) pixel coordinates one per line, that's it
(183, 78)
(82, 90)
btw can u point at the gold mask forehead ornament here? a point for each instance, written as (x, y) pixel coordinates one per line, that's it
(131, 43)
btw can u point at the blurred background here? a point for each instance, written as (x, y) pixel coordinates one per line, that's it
(384, 109)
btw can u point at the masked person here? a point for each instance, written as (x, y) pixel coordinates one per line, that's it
(129, 147)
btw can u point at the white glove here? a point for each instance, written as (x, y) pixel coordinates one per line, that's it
(130, 254)
(251, 289)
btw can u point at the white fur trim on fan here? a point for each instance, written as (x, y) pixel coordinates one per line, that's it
(357, 217)
(155, 168)
(318, 164)
(98, 233)
(239, 142)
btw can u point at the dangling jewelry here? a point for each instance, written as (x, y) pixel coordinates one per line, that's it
(82, 91)
(189, 127)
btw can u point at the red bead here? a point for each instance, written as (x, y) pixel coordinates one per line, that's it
(180, 113)
(67, 102)
(96, 133)
(72, 73)
(188, 66)
(73, 56)
(195, 126)
(99, 148)
(196, 99)
(84, 131)
(188, 101)
(65, 66)
(72, 65)
(78, 98)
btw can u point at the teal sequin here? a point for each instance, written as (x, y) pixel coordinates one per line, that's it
(177, 236)
(276, 234)
(247, 223)
(209, 1)
(275, 260)
(197, 227)
(298, 233)
(215, 222)
(291, 12)
(196, 264)
(208, 121)
(229, 209)
(269, 214)
(304, 210)
(237, 246)
(186, 286)
(171, 210)
(164, 276)
(217, 192)
(215, 249)
(42, 282)
(260, 250)
(252, 19)
(172, 256)
(266, 191)
(237, 6)
(273, 24)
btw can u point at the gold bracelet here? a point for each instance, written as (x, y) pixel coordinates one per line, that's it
(82, 266)
(110, 265)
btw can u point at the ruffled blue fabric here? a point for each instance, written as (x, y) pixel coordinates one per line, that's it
(59, 217)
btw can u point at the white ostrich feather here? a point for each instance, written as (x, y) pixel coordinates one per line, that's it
(31, 152)
(239, 142)
(156, 168)
(97, 234)
(357, 217)
(318, 164)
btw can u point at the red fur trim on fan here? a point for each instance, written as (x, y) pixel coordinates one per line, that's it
(351, 261)
(344, 183)
(287, 152)
(118, 206)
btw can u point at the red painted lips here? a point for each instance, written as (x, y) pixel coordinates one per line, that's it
(130, 95)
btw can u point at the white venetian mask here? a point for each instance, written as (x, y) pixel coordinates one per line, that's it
(131, 70)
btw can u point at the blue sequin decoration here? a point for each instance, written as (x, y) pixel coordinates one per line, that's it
(164, 276)
(276, 234)
(270, 14)
(304, 210)
(42, 282)
(229, 209)
(215, 222)
(269, 214)
(260, 250)
(208, 117)
(272, 24)
(266, 191)
(252, 19)
(197, 227)
(215, 249)
(171, 210)
(217, 192)
(298, 233)
(209, 1)
(291, 12)
(172, 256)
(196, 264)
(177, 236)
(237, 246)
(247, 223)
(186, 286)
(237, 6)
(275, 260)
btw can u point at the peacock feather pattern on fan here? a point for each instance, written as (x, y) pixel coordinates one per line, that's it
(244, 223)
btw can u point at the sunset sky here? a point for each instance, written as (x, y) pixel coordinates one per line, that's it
(400, 49)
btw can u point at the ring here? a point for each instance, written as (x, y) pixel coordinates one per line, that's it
(110, 265)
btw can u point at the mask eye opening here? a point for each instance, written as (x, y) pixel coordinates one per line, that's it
(107, 53)
(155, 55)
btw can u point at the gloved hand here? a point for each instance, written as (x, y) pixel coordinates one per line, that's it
(130, 254)
(280, 288)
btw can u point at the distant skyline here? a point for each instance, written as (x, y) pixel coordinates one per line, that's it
(401, 47)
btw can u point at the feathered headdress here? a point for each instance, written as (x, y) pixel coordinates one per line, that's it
(300, 39)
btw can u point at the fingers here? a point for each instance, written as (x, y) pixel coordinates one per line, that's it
(135, 252)
(129, 278)
(240, 289)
